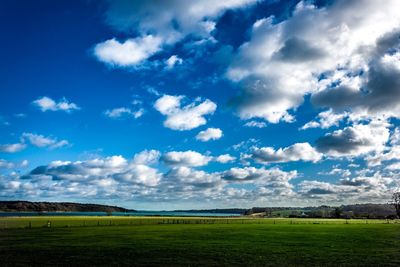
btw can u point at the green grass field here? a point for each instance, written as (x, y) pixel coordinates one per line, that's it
(197, 242)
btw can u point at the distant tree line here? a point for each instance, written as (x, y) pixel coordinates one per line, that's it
(396, 202)
(367, 211)
(27, 206)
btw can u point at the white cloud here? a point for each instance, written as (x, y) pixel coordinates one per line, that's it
(142, 174)
(272, 183)
(184, 118)
(169, 20)
(46, 103)
(152, 91)
(4, 164)
(59, 144)
(42, 141)
(315, 50)
(326, 119)
(225, 158)
(245, 144)
(338, 171)
(168, 103)
(186, 158)
(209, 134)
(374, 94)
(371, 189)
(190, 176)
(355, 140)
(109, 170)
(129, 53)
(256, 124)
(296, 152)
(121, 112)
(24, 163)
(389, 154)
(137, 102)
(393, 166)
(12, 148)
(134, 180)
(395, 137)
(193, 159)
(172, 61)
(147, 157)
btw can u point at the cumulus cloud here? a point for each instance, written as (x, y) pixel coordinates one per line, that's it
(225, 158)
(252, 173)
(338, 171)
(325, 119)
(172, 61)
(114, 169)
(209, 134)
(373, 188)
(191, 176)
(47, 104)
(12, 148)
(355, 140)
(245, 144)
(129, 53)
(119, 178)
(141, 174)
(296, 152)
(317, 188)
(272, 183)
(147, 157)
(256, 124)
(186, 158)
(395, 137)
(4, 164)
(390, 153)
(24, 163)
(377, 91)
(317, 49)
(122, 112)
(193, 159)
(113, 177)
(42, 141)
(183, 118)
(169, 20)
(393, 166)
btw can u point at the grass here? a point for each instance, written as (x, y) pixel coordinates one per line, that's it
(241, 242)
(84, 221)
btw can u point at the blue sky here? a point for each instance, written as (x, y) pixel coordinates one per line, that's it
(199, 104)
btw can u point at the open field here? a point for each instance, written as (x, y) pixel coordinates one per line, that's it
(199, 241)
(86, 221)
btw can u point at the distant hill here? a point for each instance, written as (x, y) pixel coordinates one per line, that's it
(19, 206)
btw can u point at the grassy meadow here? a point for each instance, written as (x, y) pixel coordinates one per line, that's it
(173, 241)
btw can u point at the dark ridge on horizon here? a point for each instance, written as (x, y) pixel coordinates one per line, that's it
(28, 206)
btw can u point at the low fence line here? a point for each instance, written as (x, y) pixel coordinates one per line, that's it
(103, 222)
